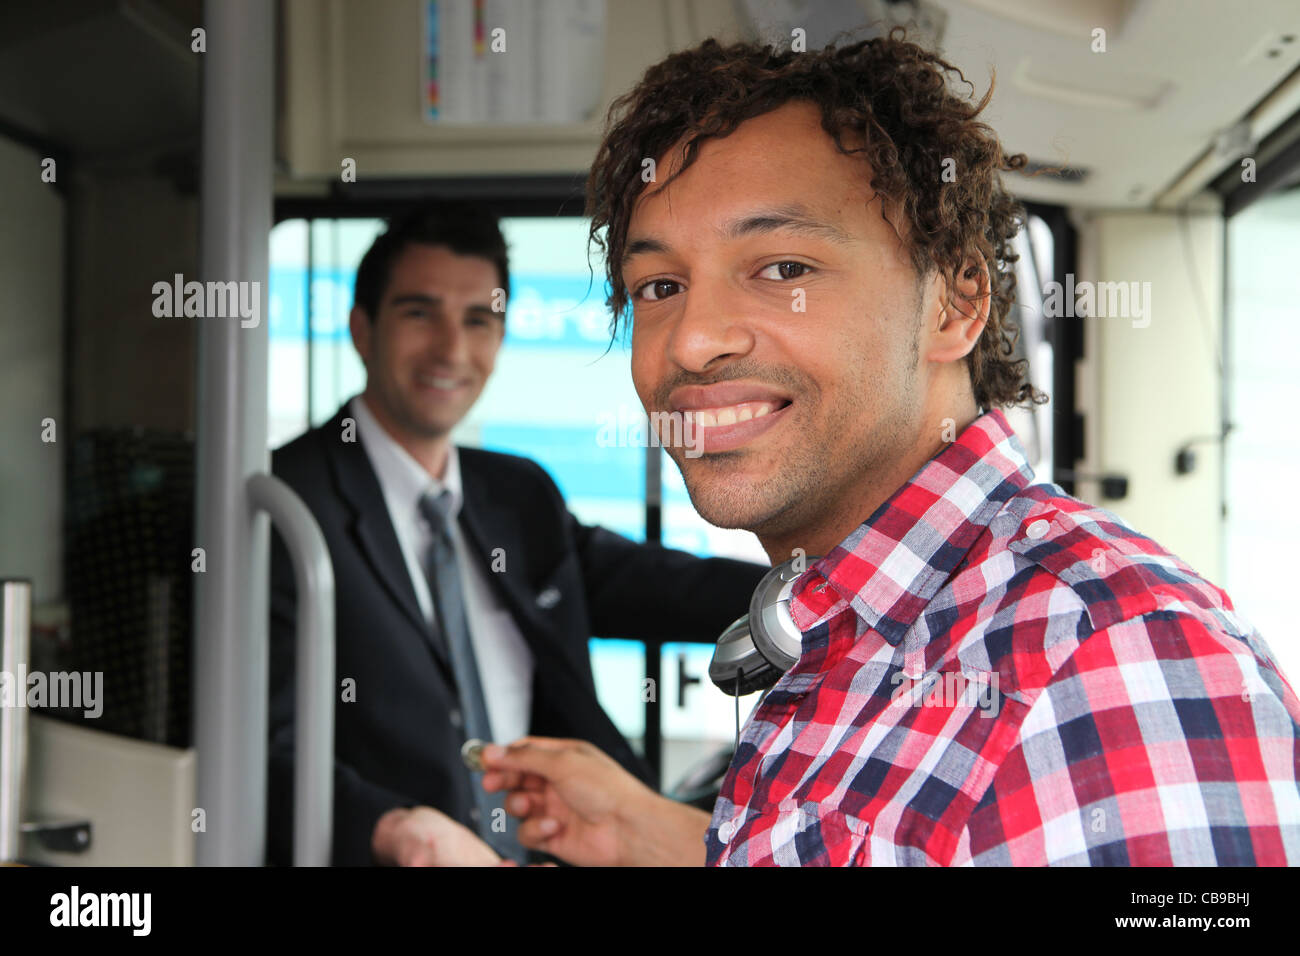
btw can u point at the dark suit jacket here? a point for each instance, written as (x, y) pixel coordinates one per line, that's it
(395, 745)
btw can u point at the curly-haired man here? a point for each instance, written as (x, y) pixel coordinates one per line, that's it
(991, 671)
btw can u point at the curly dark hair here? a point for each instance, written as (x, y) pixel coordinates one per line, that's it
(892, 93)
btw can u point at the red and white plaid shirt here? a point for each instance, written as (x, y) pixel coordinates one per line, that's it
(996, 673)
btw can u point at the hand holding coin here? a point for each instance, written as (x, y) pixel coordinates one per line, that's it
(472, 754)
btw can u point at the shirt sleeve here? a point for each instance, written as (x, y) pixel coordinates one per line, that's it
(1160, 741)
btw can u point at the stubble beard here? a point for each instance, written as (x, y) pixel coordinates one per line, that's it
(817, 477)
(406, 415)
(813, 480)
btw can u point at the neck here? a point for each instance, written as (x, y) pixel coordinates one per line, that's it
(430, 452)
(820, 535)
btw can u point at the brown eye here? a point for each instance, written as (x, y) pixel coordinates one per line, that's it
(787, 270)
(662, 289)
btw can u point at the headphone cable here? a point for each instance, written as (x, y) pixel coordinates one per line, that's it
(737, 696)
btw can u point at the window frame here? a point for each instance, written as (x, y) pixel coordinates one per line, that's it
(562, 196)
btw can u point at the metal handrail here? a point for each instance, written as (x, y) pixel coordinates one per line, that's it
(313, 781)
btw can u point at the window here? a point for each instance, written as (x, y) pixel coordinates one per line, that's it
(1036, 247)
(562, 394)
(1262, 460)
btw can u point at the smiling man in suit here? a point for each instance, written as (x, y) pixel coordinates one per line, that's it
(465, 590)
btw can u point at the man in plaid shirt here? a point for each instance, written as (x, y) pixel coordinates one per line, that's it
(992, 672)
(996, 673)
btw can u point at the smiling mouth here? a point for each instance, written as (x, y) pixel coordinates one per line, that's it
(729, 428)
(441, 382)
(730, 414)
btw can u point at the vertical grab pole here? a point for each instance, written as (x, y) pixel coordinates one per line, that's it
(231, 652)
(15, 653)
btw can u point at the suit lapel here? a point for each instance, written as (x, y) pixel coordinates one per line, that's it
(372, 527)
(488, 527)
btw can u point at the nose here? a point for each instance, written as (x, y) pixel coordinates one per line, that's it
(450, 344)
(710, 329)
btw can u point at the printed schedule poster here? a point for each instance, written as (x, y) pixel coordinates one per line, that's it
(499, 62)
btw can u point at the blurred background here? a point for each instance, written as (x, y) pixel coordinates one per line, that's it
(1164, 140)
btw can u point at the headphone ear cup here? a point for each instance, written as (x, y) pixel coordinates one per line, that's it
(756, 650)
(737, 668)
(775, 635)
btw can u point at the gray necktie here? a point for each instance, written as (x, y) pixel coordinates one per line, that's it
(444, 583)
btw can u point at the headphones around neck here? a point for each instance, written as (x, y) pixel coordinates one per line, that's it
(755, 651)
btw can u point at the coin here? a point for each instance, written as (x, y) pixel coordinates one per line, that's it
(472, 754)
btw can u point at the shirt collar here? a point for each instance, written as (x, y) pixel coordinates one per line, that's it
(401, 477)
(893, 565)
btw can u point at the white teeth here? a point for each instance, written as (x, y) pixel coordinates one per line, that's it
(728, 415)
(438, 382)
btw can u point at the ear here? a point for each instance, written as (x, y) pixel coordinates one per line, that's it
(963, 313)
(362, 329)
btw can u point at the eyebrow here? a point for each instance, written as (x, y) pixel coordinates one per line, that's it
(792, 217)
(418, 298)
(414, 298)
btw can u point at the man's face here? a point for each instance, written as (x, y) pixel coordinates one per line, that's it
(775, 306)
(431, 347)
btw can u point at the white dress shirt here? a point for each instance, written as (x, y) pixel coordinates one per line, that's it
(505, 662)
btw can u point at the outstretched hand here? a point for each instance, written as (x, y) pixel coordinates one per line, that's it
(576, 803)
(423, 836)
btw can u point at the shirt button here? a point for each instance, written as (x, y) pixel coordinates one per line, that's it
(1038, 529)
(727, 831)
(474, 814)
(456, 719)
